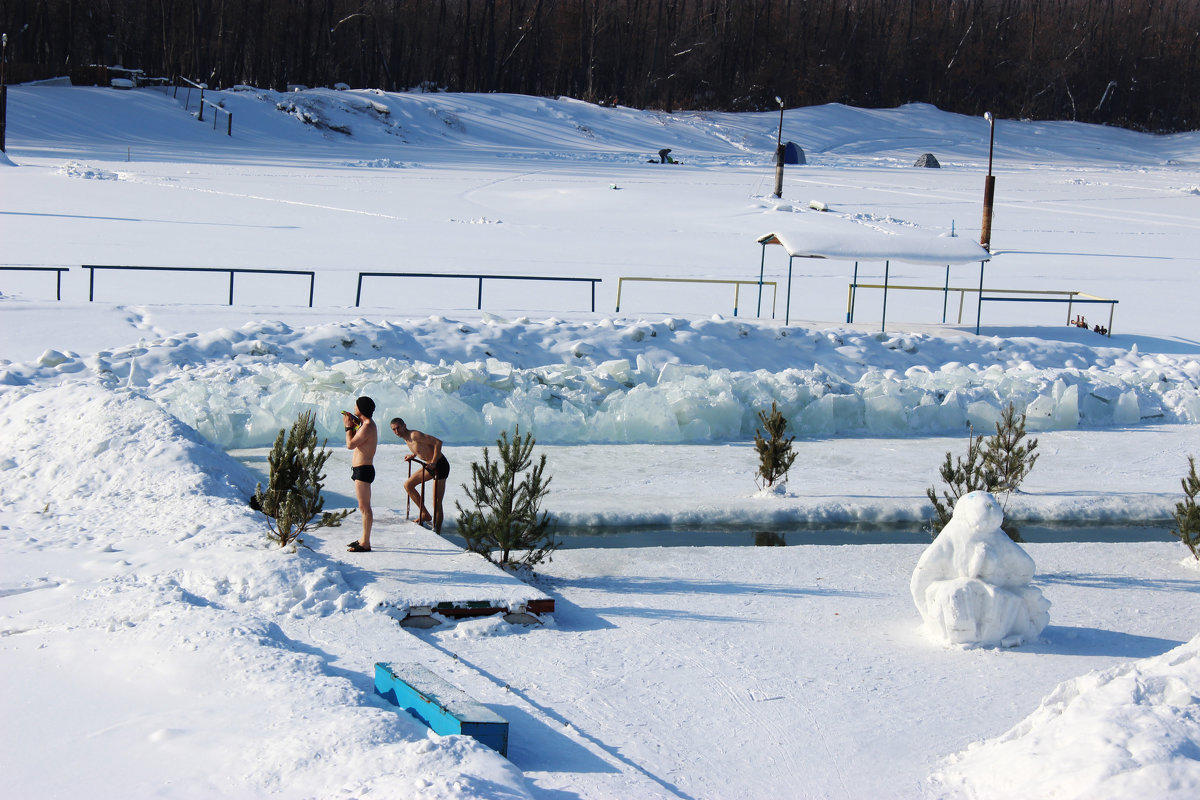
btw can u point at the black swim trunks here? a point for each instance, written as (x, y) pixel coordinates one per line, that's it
(441, 468)
(365, 473)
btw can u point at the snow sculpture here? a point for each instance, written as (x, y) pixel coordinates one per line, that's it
(972, 585)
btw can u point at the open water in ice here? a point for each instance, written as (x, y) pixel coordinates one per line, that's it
(765, 535)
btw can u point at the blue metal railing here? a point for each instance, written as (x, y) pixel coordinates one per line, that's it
(232, 271)
(58, 281)
(479, 278)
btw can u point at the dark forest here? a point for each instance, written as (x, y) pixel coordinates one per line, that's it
(1133, 63)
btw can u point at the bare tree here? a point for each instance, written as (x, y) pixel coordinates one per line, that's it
(1124, 62)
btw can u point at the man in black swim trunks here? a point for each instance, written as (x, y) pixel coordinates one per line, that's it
(362, 437)
(428, 449)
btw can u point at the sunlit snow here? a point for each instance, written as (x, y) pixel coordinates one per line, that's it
(154, 643)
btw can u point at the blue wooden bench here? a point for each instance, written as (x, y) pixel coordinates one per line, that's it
(445, 708)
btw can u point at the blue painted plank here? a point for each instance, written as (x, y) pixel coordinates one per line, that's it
(445, 708)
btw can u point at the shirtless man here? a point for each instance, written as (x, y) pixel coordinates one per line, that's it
(362, 437)
(428, 449)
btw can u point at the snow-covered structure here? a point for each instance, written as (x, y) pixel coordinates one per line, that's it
(831, 237)
(973, 584)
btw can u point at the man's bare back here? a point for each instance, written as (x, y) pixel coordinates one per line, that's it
(423, 446)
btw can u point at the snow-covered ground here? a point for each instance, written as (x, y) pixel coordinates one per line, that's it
(156, 643)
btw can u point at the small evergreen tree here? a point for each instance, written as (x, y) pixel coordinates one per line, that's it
(961, 476)
(506, 517)
(1006, 459)
(775, 455)
(997, 464)
(293, 499)
(1187, 513)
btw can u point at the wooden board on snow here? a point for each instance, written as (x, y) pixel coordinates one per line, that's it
(412, 572)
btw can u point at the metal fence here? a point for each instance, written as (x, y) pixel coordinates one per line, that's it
(232, 271)
(479, 278)
(737, 286)
(58, 277)
(1068, 296)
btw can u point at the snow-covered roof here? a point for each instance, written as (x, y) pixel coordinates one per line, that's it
(844, 240)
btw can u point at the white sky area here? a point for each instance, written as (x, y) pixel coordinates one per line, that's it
(156, 642)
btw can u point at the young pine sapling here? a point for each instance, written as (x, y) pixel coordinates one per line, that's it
(775, 454)
(1187, 512)
(1007, 459)
(506, 519)
(293, 501)
(996, 464)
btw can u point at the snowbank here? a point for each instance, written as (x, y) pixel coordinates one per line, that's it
(145, 616)
(1128, 731)
(626, 381)
(149, 631)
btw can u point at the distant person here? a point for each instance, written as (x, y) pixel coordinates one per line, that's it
(428, 449)
(362, 437)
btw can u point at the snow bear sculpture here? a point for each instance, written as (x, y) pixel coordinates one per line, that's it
(972, 585)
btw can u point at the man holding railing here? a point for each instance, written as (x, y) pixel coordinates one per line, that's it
(427, 451)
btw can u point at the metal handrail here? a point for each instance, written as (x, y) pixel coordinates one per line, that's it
(408, 500)
(480, 278)
(231, 270)
(1068, 296)
(187, 100)
(58, 281)
(217, 107)
(736, 291)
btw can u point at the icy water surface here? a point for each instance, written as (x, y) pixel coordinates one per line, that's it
(389, 494)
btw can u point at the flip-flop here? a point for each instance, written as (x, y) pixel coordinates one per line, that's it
(355, 547)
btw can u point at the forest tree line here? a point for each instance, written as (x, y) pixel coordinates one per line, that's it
(1134, 63)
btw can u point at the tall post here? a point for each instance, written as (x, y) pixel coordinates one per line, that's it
(3, 92)
(787, 307)
(779, 152)
(979, 307)
(853, 290)
(989, 188)
(887, 269)
(762, 265)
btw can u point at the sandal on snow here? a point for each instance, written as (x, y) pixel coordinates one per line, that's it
(355, 547)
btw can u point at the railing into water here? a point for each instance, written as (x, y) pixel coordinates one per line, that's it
(479, 278)
(232, 271)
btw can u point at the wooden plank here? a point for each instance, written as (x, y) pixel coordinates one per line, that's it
(442, 706)
(411, 569)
